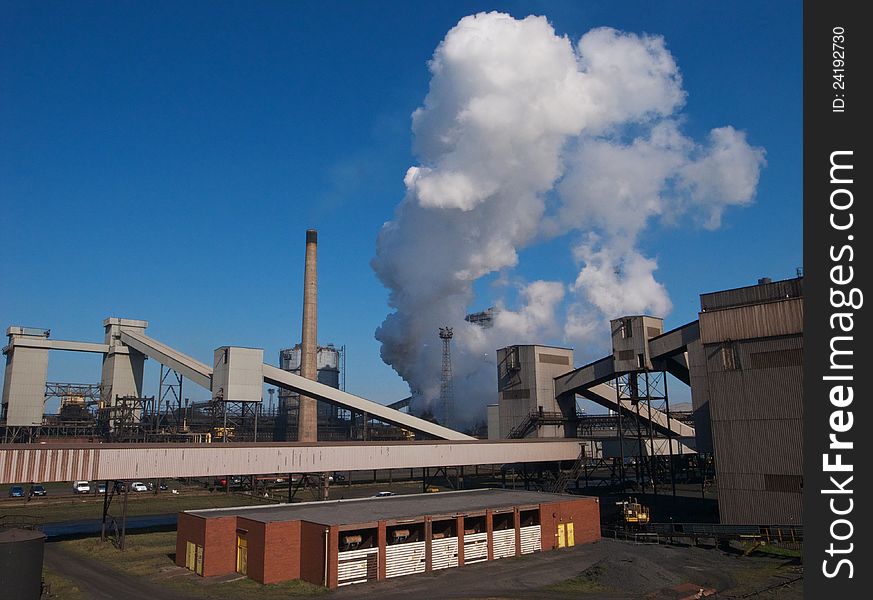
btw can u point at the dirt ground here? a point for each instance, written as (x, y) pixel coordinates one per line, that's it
(97, 582)
(608, 570)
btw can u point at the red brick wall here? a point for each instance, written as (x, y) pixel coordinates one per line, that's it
(219, 549)
(311, 553)
(428, 538)
(584, 513)
(188, 529)
(281, 552)
(459, 527)
(489, 527)
(334, 557)
(381, 538)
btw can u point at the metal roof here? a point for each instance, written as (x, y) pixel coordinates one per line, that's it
(368, 510)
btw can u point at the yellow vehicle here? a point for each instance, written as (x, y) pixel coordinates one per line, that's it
(633, 513)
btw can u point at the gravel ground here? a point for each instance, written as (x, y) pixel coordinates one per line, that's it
(607, 570)
(616, 570)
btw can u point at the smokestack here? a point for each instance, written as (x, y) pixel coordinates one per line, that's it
(307, 419)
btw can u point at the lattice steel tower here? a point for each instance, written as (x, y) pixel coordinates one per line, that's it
(447, 400)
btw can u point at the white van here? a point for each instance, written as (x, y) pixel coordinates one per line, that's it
(81, 487)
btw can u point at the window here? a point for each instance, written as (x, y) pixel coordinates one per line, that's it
(513, 363)
(730, 357)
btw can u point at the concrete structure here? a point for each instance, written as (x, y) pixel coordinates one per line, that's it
(122, 365)
(493, 421)
(753, 364)
(238, 374)
(127, 345)
(354, 541)
(27, 366)
(630, 337)
(23, 463)
(26, 369)
(526, 384)
(307, 415)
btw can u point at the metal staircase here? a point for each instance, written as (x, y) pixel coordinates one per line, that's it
(565, 477)
(533, 421)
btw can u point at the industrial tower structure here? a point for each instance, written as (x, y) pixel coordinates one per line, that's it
(447, 400)
(307, 415)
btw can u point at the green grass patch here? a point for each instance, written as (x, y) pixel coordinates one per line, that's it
(61, 588)
(587, 582)
(149, 555)
(144, 554)
(75, 508)
(775, 550)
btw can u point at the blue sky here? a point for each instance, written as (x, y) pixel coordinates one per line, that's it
(162, 161)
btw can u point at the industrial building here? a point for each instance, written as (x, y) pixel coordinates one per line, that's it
(236, 381)
(344, 542)
(742, 360)
(752, 341)
(526, 388)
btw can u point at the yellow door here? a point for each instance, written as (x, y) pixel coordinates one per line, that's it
(190, 555)
(561, 543)
(198, 560)
(571, 539)
(242, 554)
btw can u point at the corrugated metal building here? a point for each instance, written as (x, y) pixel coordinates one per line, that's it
(353, 541)
(753, 357)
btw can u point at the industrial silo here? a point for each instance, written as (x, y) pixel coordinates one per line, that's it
(21, 563)
(327, 363)
(329, 367)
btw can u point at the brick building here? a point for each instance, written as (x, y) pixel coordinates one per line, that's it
(341, 542)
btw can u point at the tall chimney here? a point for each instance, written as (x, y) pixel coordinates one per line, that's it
(307, 419)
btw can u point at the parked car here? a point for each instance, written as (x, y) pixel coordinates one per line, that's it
(101, 487)
(233, 481)
(81, 487)
(382, 494)
(16, 491)
(139, 486)
(162, 486)
(38, 490)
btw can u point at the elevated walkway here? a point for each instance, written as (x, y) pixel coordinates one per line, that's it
(668, 351)
(201, 374)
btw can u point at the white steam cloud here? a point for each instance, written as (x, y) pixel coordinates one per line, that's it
(524, 137)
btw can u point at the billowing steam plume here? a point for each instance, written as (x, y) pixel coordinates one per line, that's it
(524, 137)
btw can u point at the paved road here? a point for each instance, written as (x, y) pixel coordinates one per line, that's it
(99, 583)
